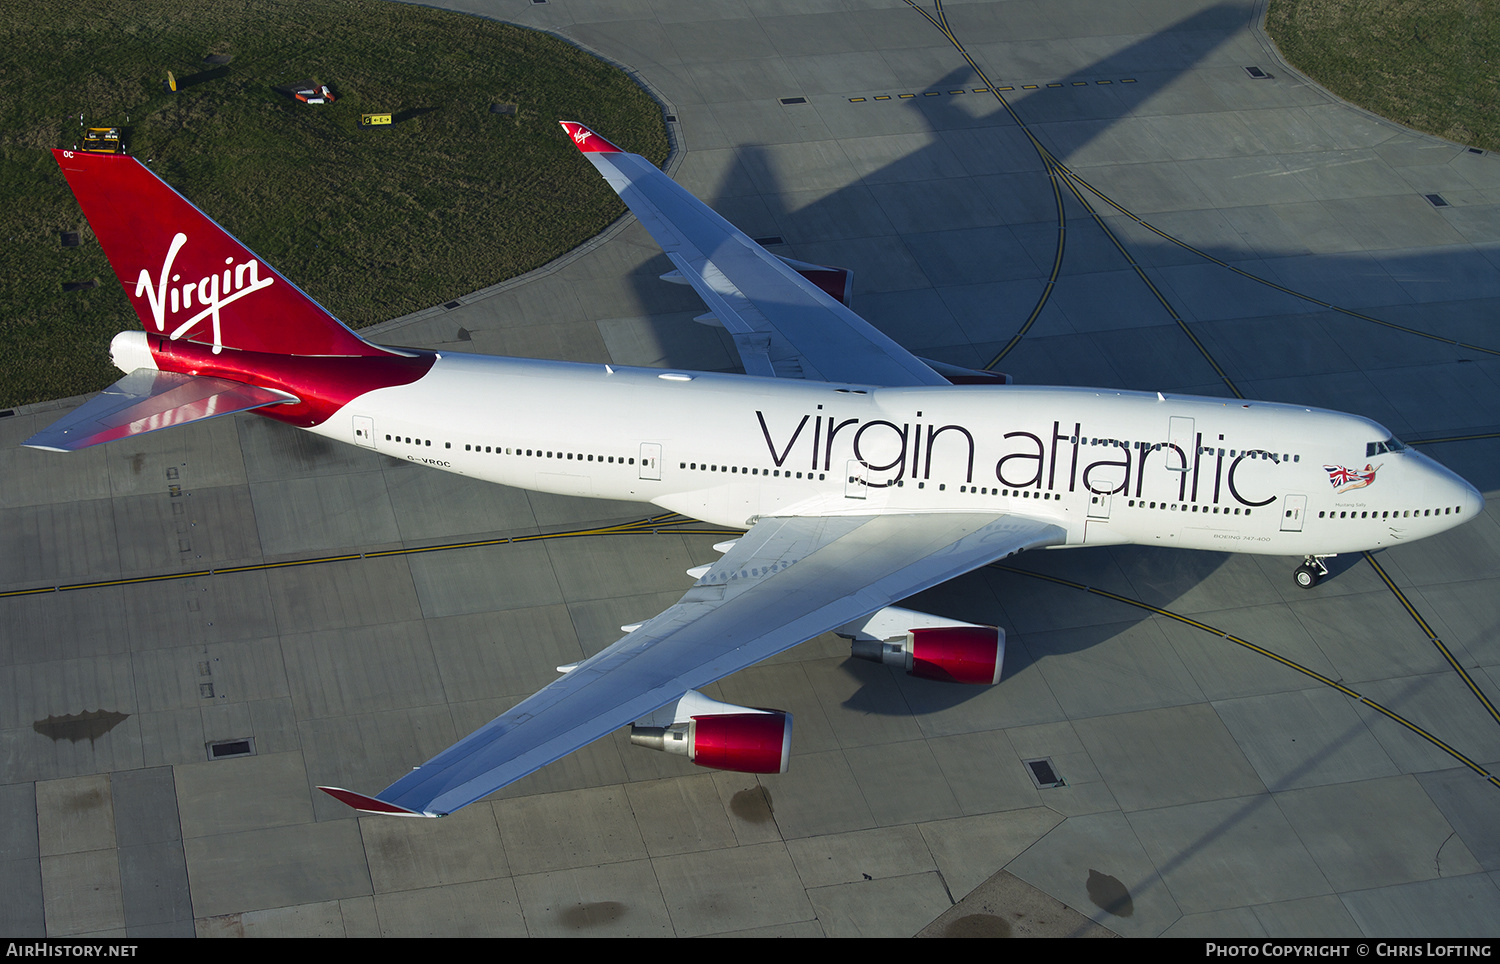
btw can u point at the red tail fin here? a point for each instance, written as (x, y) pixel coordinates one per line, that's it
(187, 278)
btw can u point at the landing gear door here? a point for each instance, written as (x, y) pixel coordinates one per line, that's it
(1292, 510)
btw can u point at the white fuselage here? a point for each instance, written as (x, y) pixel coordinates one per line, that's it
(1108, 466)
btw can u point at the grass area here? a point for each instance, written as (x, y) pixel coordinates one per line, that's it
(1433, 65)
(373, 223)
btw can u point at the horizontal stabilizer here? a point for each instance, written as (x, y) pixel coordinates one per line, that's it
(370, 804)
(145, 401)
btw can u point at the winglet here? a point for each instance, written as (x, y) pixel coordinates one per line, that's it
(588, 142)
(370, 804)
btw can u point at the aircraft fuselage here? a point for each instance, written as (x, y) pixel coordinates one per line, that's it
(1108, 466)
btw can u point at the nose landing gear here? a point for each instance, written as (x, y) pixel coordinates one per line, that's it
(1311, 571)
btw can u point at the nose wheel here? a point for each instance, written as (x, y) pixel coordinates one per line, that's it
(1311, 572)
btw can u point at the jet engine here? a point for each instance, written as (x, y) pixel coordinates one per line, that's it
(958, 375)
(929, 647)
(719, 735)
(836, 283)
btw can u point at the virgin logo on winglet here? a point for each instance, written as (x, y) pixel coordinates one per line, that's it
(212, 292)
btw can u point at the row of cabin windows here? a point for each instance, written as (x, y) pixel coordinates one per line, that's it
(1018, 493)
(901, 484)
(543, 454)
(535, 453)
(1184, 507)
(778, 473)
(1394, 513)
(1226, 510)
(738, 470)
(1252, 454)
(1202, 449)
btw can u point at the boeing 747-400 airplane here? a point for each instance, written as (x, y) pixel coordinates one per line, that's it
(860, 473)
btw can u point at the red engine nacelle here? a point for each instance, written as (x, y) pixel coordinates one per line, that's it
(745, 742)
(836, 283)
(979, 378)
(958, 375)
(963, 653)
(957, 654)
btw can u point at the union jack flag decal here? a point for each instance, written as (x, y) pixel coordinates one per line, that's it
(1343, 479)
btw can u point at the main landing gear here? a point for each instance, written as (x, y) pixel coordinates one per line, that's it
(1311, 571)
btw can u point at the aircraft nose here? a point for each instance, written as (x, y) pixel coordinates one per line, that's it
(1455, 489)
(1463, 494)
(1473, 500)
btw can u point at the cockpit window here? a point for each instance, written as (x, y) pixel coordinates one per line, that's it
(1391, 444)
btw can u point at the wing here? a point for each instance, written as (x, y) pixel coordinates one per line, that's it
(146, 401)
(782, 323)
(785, 581)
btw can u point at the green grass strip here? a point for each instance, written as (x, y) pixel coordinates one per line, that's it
(1433, 65)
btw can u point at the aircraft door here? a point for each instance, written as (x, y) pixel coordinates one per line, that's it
(860, 479)
(651, 460)
(364, 431)
(1099, 505)
(855, 479)
(1293, 508)
(1180, 436)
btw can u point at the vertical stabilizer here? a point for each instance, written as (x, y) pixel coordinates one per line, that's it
(187, 278)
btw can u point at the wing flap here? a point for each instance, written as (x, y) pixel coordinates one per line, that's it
(148, 401)
(785, 581)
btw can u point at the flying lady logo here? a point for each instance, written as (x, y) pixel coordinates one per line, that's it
(168, 294)
(1343, 479)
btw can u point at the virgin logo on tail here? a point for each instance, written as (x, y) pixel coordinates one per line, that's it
(209, 293)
